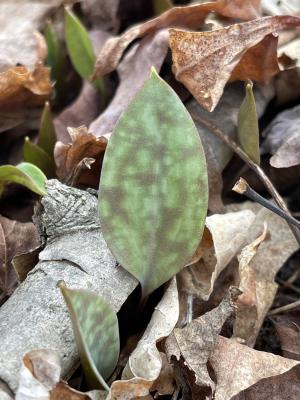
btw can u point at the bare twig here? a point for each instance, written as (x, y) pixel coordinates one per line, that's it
(282, 309)
(256, 168)
(242, 187)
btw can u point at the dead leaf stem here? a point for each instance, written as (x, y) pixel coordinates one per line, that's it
(285, 308)
(251, 164)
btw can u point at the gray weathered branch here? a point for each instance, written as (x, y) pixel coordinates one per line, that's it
(35, 316)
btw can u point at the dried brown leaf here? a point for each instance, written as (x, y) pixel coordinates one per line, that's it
(191, 17)
(288, 329)
(68, 156)
(15, 238)
(205, 61)
(238, 367)
(133, 72)
(19, 87)
(189, 348)
(145, 365)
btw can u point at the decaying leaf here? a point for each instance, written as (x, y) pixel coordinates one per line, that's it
(283, 7)
(248, 132)
(228, 234)
(287, 327)
(19, 87)
(15, 238)
(96, 331)
(191, 17)
(153, 186)
(238, 367)
(283, 139)
(189, 348)
(269, 258)
(25, 174)
(145, 363)
(205, 61)
(247, 307)
(84, 144)
(40, 379)
(19, 20)
(104, 13)
(133, 72)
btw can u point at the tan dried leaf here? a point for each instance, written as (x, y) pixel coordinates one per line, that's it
(205, 61)
(238, 367)
(145, 364)
(191, 17)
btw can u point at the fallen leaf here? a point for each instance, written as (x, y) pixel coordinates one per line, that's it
(238, 367)
(146, 216)
(189, 348)
(247, 307)
(145, 364)
(248, 131)
(228, 234)
(15, 238)
(205, 61)
(40, 379)
(191, 16)
(287, 327)
(68, 156)
(270, 257)
(17, 40)
(19, 87)
(283, 139)
(133, 71)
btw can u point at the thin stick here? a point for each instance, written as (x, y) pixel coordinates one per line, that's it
(242, 187)
(282, 309)
(256, 168)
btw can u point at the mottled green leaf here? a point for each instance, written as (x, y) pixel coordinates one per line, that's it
(37, 156)
(25, 174)
(47, 134)
(160, 6)
(248, 131)
(55, 57)
(153, 187)
(96, 331)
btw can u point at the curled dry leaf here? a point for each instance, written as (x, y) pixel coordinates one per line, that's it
(40, 379)
(144, 366)
(283, 139)
(133, 72)
(269, 258)
(68, 156)
(205, 61)
(19, 87)
(238, 367)
(191, 17)
(15, 238)
(189, 348)
(225, 236)
(246, 313)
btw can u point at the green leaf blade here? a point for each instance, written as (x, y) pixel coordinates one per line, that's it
(47, 134)
(25, 174)
(153, 187)
(55, 58)
(248, 131)
(37, 156)
(79, 45)
(96, 332)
